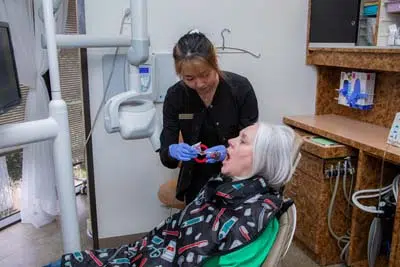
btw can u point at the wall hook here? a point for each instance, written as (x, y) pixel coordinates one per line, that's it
(223, 37)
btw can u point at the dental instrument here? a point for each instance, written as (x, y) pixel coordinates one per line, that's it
(201, 148)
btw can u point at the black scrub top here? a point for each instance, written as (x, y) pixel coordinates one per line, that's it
(233, 108)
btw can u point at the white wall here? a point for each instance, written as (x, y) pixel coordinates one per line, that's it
(127, 174)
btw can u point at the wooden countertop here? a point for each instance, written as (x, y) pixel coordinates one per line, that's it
(360, 135)
(359, 49)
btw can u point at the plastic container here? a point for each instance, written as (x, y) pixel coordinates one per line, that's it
(393, 7)
(366, 82)
(370, 10)
(366, 31)
(357, 90)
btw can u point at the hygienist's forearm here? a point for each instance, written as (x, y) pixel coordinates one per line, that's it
(167, 160)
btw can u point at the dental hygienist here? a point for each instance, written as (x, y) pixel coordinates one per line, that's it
(208, 106)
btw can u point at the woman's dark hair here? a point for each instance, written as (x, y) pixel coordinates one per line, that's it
(194, 45)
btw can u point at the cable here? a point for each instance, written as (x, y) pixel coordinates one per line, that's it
(348, 169)
(381, 179)
(345, 250)
(343, 242)
(347, 196)
(373, 193)
(351, 171)
(345, 239)
(396, 187)
(332, 203)
(127, 13)
(330, 178)
(351, 187)
(124, 72)
(378, 193)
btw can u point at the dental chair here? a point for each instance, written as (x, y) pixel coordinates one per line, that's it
(287, 220)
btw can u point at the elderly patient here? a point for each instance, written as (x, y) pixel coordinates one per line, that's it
(232, 221)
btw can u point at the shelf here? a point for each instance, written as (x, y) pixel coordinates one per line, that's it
(356, 58)
(361, 135)
(359, 49)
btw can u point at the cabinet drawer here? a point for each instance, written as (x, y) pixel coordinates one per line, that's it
(311, 165)
(326, 151)
(315, 166)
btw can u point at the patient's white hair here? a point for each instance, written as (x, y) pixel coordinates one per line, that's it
(272, 153)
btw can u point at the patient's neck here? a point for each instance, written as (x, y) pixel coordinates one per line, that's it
(242, 177)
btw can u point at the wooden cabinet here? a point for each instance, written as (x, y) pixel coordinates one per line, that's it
(364, 131)
(312, 192)
(309, 209)
(332, 36)
(374, 158)
(334, 21)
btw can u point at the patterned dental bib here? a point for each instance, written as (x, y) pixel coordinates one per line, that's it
(225, 216)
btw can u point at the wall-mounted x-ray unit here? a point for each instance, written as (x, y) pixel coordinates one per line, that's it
(156, 75)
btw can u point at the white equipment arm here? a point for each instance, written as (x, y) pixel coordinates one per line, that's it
(141, 114)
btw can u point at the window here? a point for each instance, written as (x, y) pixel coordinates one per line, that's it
(71, 89)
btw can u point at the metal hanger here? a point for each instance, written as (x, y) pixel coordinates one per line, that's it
(235, 50)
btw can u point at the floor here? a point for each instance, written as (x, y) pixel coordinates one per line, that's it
(297, 258)
(22, 245)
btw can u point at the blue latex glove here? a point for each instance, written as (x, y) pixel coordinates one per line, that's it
(215, 154)
(182, 151)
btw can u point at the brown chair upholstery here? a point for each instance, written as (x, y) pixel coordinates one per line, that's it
(167, 193)
(287, 221)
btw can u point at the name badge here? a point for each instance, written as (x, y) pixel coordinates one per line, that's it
(186, 116)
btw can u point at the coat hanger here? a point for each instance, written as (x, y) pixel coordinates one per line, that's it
(234, 50)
